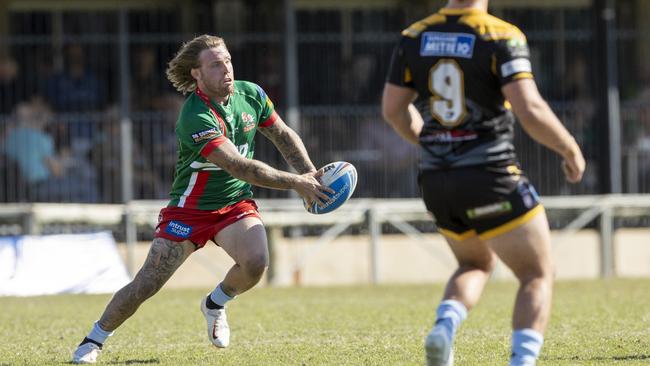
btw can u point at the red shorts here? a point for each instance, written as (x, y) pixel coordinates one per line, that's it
(199, 226)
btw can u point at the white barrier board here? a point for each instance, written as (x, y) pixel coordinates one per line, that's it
(60, 264)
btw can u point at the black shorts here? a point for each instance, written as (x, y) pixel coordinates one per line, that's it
(486, 200)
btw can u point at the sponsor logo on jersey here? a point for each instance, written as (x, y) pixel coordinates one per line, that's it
(447, 44)
(246, 117)
(264, 97)
(449, 136)
(260, 91)
(249, 121)
(249, 212)
(206, 134)
(516, 42)
(179, 229)
(493, 209)
(528, 194)
(516, 66)
(518, 47)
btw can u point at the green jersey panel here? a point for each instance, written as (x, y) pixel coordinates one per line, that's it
(203, 125)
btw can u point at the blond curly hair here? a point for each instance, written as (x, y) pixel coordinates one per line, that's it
(179, 68)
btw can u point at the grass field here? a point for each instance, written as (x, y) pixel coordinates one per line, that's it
(593, 323)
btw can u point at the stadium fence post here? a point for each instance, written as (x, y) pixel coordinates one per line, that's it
(273, 233)
(606, 243)
(130, 239)
(374, 229)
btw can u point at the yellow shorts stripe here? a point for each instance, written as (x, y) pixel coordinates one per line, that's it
(512, 224)
(458, 237)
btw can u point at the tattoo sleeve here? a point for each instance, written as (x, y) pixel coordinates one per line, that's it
(250, 170)
(290, 146)
(261, 174)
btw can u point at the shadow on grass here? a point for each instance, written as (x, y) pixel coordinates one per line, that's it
(601, 358)
(132, 362)
(634, 357)
(126, 362)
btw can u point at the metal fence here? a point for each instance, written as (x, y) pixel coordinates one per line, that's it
(75, 82)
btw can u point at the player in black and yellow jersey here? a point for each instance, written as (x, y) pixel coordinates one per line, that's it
(455, 80)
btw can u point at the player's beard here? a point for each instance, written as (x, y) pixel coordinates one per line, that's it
(222, 90)
(218, 89)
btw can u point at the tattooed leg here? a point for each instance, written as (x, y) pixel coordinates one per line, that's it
(165, 256)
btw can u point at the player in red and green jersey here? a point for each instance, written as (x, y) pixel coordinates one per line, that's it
(202, 127)
(455, 80)
(211, 194)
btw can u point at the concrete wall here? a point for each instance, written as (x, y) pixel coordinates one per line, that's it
(346, 260)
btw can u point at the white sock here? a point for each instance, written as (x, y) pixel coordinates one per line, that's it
(450, 314)
(219, 297)
(98, 335)
(526, 344)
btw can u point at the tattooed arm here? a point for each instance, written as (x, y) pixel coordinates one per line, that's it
(290, 145)
(252, 171)
(258, 173)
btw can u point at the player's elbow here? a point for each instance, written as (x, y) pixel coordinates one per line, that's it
(391, 112)
(237, 170)
(233, 164)
(531, 110)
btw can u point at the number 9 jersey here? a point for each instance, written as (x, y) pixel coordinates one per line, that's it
(458, 60)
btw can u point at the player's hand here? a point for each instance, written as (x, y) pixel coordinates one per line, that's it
(310, 188)
(574, 165)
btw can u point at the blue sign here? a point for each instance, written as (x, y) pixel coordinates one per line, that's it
(447, 44)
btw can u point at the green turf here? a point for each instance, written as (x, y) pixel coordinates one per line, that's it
(593, 323)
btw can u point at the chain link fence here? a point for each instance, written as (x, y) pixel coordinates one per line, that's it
(69, 78)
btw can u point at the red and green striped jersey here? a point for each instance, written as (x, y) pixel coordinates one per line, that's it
(201, 127)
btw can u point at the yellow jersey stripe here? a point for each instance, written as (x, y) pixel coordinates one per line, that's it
(461, 11)
(491, 28)
(416, 28)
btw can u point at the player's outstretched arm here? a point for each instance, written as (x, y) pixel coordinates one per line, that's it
(290, 145)
(260, 174)
(540, 123)
(400, 113)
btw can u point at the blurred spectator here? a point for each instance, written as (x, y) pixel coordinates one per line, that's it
(578, 91)
(106, 156)
(642, 101)
(30, 146)
(357, 82)
(49, 176)
(12, 89)
(147, 85)
(387, 160)
(75, 88)
(165, 143)
(270, 74)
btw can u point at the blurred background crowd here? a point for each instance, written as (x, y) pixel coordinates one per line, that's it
(79, 78)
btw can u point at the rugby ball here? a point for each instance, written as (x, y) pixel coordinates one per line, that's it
(341, 176)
